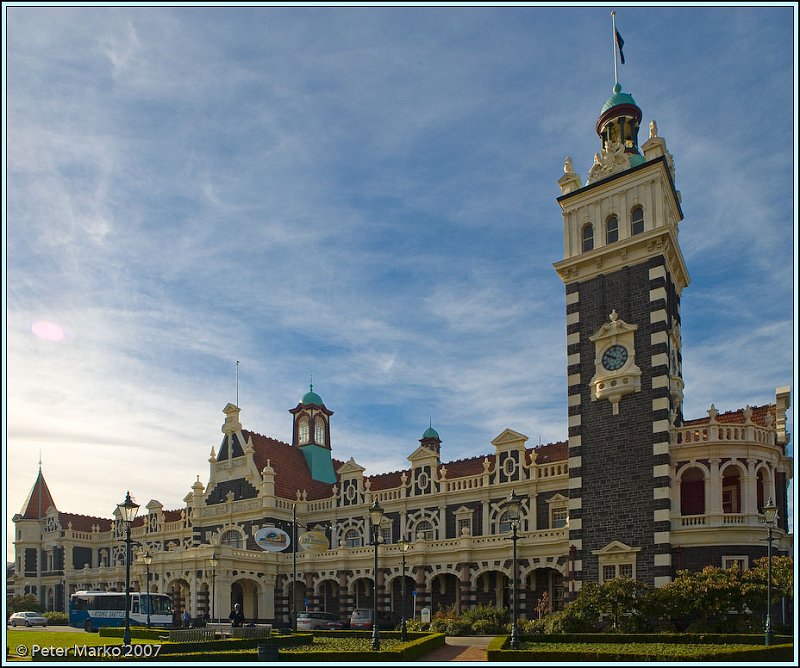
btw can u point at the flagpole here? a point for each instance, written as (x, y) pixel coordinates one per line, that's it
(614, 45)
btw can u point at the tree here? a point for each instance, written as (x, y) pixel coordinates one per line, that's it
(22, 603)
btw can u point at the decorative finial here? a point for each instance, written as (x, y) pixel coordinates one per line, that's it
(614, 315)
(653, 130)
(311, 383)
(568, 167)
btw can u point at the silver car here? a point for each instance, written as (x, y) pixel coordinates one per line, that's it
(27, 619)
(310, 621)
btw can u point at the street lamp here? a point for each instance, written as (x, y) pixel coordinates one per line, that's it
(375, 515)
(148, 559)
(127, 510)
(214, 561)
(513, 504)
(404, 545)
(770, 519)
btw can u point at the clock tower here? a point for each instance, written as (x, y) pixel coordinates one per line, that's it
(624, 274)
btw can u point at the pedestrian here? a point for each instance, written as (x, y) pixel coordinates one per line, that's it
(187, 619)
(236, 616)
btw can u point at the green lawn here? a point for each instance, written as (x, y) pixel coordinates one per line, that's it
(21, 643)
(342, 645)
(651, 648)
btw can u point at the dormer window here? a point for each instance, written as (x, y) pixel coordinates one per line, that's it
(302, 430)
(587, 238)
(637, 220)
(319, 431)
(612, 230)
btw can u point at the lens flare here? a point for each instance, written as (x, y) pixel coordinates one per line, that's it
(49, 331)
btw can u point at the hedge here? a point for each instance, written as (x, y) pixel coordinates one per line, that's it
(424, 643)
(621, 649)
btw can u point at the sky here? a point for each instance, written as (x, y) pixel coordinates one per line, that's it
(365, 196)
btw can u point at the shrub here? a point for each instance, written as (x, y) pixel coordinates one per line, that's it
(416, 625)
(56, 618)
(458, 627)
(483, 627)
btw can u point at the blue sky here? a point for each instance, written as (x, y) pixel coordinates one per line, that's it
(366, 195)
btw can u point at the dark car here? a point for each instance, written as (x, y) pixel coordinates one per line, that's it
(362, 619)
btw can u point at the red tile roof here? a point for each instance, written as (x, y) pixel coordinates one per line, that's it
(552, 452)
(289, 464)
(758, 417)
(38, 501)
(83, 522)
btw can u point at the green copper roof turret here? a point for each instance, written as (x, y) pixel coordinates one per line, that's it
(312, 398)
(617, 99)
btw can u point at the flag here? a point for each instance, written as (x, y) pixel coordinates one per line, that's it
(620, 42)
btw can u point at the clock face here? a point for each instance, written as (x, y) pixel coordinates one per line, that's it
(615, 357)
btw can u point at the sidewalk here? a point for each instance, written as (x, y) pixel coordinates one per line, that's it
(461, 648)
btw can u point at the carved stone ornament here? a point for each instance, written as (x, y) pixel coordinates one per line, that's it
(610, 160)
(616, 373)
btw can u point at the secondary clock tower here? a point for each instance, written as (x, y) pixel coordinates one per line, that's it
(624, 274)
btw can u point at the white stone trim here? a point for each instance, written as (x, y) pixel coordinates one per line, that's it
(660, 470)
(573, 318)
(573, 297)
(658, 272)
(658, 293)
(660, 449)
(658, 337)
(658, 316)
(662, 559)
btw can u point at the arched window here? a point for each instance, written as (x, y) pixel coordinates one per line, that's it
(232, 538)
(612, 230)
(425, 528)
(637, 220)
(319, 431)
(302, 430)
(352, 538)
(504, 524)
(587, 238)
(761, 489)
(731, 491)
(693, 494)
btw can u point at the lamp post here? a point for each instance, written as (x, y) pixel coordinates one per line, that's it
(127, 510)
(404, 545)
(770, 519)
(293, 596)
(375, 515)
(214, 561)
(148, 559)
(513, 504)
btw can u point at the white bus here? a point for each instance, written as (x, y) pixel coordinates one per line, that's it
(90, 610)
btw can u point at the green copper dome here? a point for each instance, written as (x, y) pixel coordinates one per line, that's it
(617, 99)
(312, 398)
(430, 432)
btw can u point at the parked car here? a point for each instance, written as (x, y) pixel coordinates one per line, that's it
(27, 619)
(362, 619)
(309, 621)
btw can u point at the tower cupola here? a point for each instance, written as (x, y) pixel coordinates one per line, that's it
(311, 433)
(619, 121)
(618, 129)
(430, 439)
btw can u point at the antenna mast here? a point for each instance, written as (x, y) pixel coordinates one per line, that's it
(237, 383)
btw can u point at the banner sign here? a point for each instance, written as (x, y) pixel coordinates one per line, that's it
(313, 541)
(272, 539)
